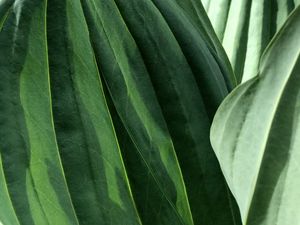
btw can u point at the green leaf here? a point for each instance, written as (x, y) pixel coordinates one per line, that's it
(86, 138)
(245, 28)
(90, 159)
(131, 90)
(7, 212)
(195, 11)
(4, 11)
(205, 4)
(78, 78)
(255, 134)
(31, 164)
(163, 108)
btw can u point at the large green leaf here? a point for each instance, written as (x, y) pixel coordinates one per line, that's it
(159, 67)
(195, 11)
(91, 158)
(89, 149)
(255, 134)
(154, 96)
(245, 28)
(4, 11)
(31, 164)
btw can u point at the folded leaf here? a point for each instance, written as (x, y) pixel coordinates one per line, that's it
(255, 134)
(245, 28)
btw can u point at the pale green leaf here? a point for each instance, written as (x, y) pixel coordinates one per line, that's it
(255, 134)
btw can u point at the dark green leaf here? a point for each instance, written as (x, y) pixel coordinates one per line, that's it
(245, 28)
(165, 92)
(31, 164)
(162, 71)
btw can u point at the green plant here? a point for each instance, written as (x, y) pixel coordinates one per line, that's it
(245, 28)
(255, 134)
(74, 72)
(106, 108)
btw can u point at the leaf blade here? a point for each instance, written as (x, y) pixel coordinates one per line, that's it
(32, 179)
(83, 124)
(255, 115)
(245, 38)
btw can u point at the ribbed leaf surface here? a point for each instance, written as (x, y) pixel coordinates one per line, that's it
(255, 134)
(86, 85)
(245, 28)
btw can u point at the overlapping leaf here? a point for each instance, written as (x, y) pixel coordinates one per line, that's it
(255, 134)
(245, 27)
(30, 158)
(87, 142)
(163, 73)
(154, 89)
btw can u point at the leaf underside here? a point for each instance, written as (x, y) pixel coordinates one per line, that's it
(255, 134)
